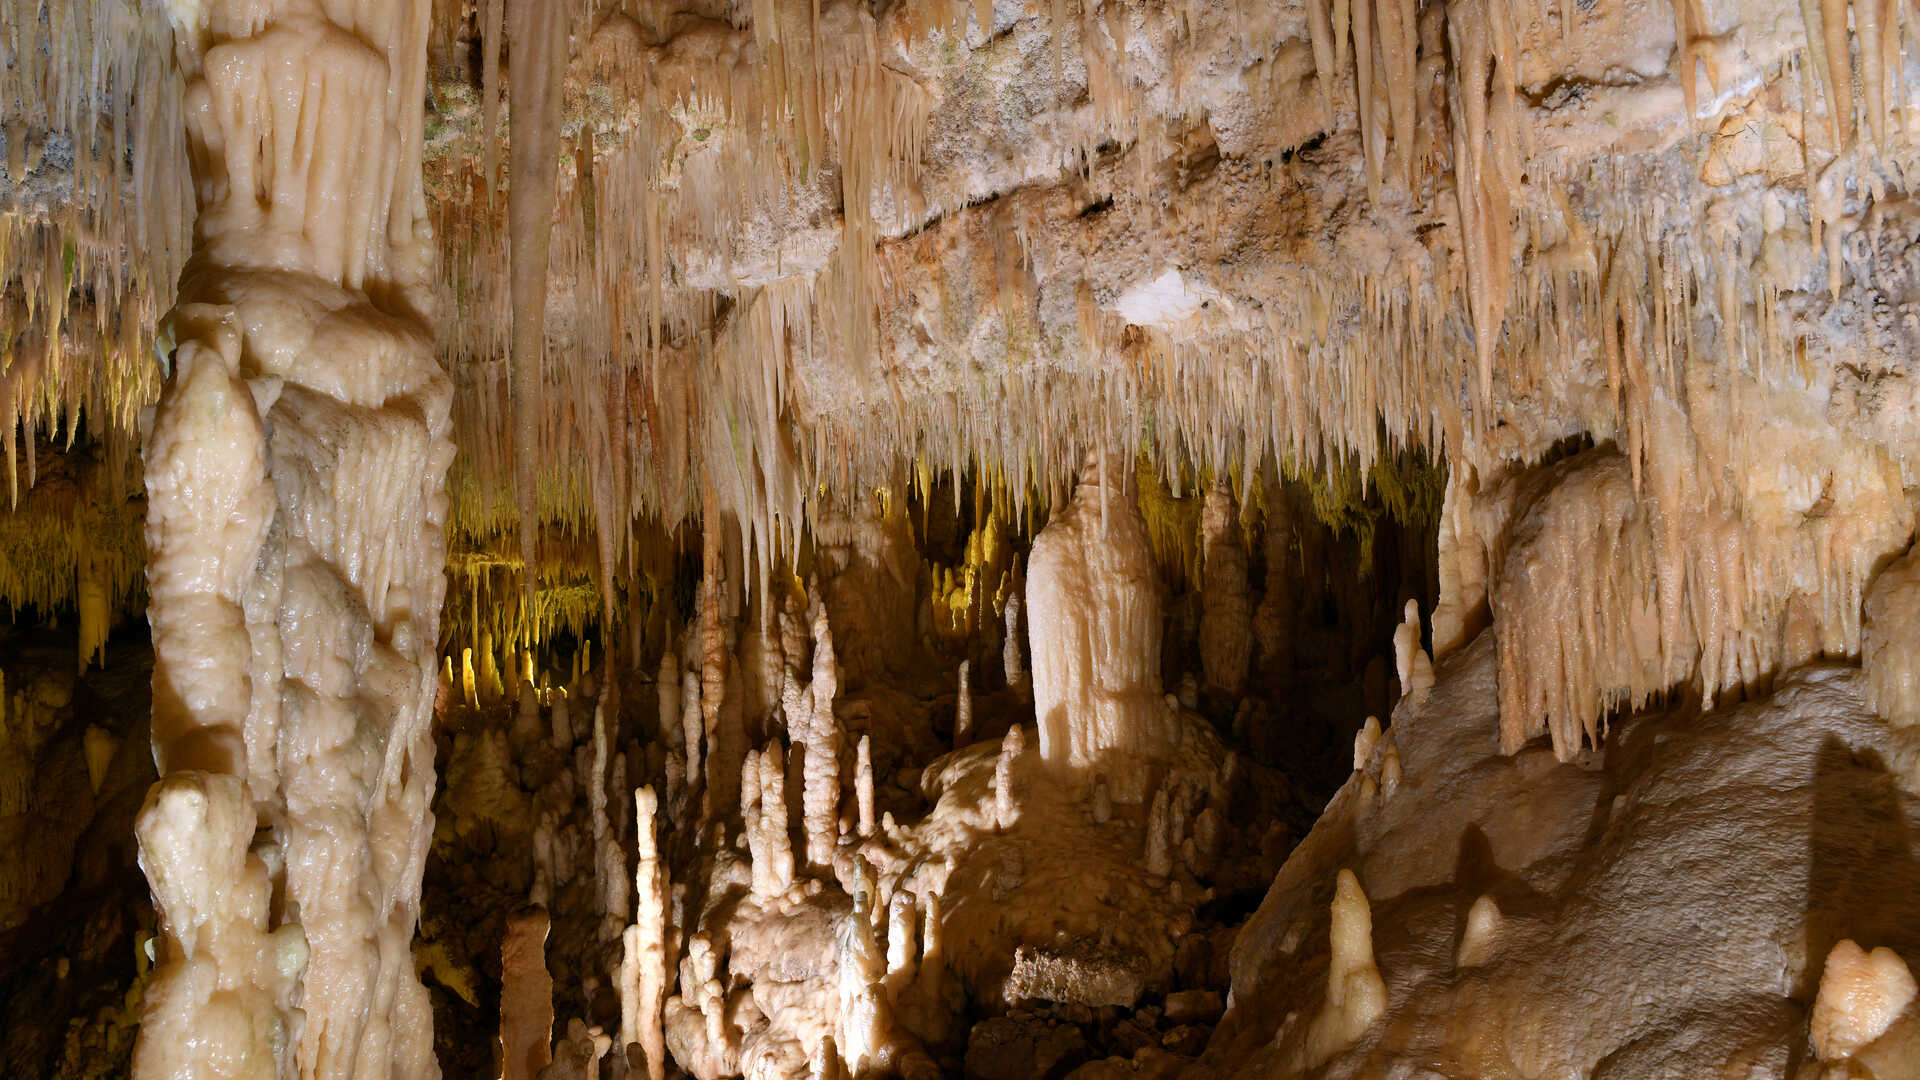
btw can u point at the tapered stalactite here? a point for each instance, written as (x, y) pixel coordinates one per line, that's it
(295, 472)
(538, 30)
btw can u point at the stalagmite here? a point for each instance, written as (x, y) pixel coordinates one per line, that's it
(693, 727)
(1365, 742)
(295, 473)
(773, 811)
(722, 768)
(1356, 995)
(820, 800)
(559, 722)
(1094, 620)
(526, 996)
(862, 1008)
(963, 709)
(579, 1053)
(1411, 663)
(1012, 745)
(903, 947)
(753, 824)
(1226, 619)
(1015, 667)
(1159, 836)
(863, 787)
(644, 946)
(1482, 933)
(563, 717)
(667, 689)
(1861, 994)
(1890, 642)
(609, 863)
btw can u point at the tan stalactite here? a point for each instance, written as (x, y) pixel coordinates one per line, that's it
(539, 32)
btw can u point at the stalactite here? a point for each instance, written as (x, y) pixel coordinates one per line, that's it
(534, 96)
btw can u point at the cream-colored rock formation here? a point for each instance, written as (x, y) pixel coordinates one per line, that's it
(809, 538)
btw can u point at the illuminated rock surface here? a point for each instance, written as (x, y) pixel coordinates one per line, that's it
(939, 488)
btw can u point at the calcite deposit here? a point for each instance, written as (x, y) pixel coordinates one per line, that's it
(988, 539)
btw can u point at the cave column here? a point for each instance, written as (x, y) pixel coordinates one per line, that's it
(295, 471)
